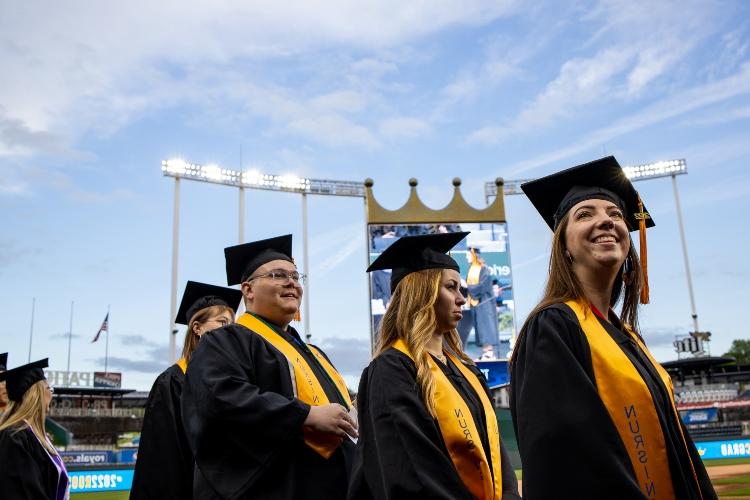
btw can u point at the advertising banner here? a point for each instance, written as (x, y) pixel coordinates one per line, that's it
(700, 415)
(736, 448)
(86, 457)
(126, 456)
(111, 380)
(496, 372)
(100, 480)
(488, 322)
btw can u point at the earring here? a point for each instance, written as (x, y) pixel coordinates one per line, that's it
(627, 272)
(570, 257)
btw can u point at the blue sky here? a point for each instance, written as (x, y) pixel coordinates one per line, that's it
(94, 96)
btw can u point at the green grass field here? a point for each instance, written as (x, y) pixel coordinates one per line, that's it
(101, 495)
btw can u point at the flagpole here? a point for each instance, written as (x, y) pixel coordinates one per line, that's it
(31, 331)
(70, 333)
(106, 348)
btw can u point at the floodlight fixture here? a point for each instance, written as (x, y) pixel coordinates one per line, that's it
(254, 179)
(667, 168)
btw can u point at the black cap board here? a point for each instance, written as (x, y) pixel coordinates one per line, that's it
(601, 179)
(243, 260)
(3, 361)
(198, 296)
(19, 379)
(410, 254)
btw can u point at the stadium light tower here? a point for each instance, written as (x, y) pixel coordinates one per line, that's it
(655, 170)
(250, 179)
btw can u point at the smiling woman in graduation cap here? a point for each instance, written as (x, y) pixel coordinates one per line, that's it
(427, 424)
(30, 466)
(265, 412)
(164, 468)
(593, 411)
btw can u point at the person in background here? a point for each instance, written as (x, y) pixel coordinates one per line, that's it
(482, 302)
(30, 466)
(428, 425)
(593, 411)
(266, 415)
(164, 467)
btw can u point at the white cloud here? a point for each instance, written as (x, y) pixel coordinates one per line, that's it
(79, 66)
(404, 127)
(333, 130)
(671, 107)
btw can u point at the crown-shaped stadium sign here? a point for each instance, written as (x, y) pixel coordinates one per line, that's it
(416, 212)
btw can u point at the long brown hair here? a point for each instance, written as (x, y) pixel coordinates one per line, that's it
(411, 317)
(192, 338)
(563, 284)
(29, 412)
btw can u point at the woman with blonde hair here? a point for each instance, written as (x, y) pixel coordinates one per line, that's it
(3, 392)
(593, 411)
(30, 465)
(427, 426)
(164, 468)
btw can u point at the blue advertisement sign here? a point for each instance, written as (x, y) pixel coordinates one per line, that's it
(495, 371)
(86, 457)
(700, 416)
(127, 456)
(735, 448)
(101, 480)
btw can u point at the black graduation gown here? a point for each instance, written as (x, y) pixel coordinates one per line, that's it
(26, 471)
(164, 468)
(245, 427)
(401, 453)
(569, 446)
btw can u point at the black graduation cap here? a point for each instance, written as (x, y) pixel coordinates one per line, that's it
(19, 379)
(601, 179)
(410, 254)
(243, 260)
(3, 361)
(198, 296)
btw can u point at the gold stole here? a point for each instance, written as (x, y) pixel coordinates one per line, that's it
(472, 278)
(182, 364)
(630, 405)
(308, 386)
(460, 432)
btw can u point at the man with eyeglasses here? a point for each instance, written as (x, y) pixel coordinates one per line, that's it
(266, 415)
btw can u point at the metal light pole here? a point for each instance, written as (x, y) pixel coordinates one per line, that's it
(685, 254)
(31, 330)
(306, 263)
(175, 248)
(241, 233)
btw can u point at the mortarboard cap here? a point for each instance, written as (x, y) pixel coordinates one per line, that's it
(410, 254)
(19, 379)
(198, 296)
(601, 179)
(3, 361)
(243, 260)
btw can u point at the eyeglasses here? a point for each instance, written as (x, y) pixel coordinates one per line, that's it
(281, 277)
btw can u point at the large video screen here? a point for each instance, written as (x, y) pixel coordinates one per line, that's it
(488, 323)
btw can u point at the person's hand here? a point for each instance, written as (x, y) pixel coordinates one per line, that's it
(332, 419)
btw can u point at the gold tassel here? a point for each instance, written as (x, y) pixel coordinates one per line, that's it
(642, 216)
(297, 316)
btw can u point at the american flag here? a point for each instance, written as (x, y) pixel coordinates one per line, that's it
(102, 328)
